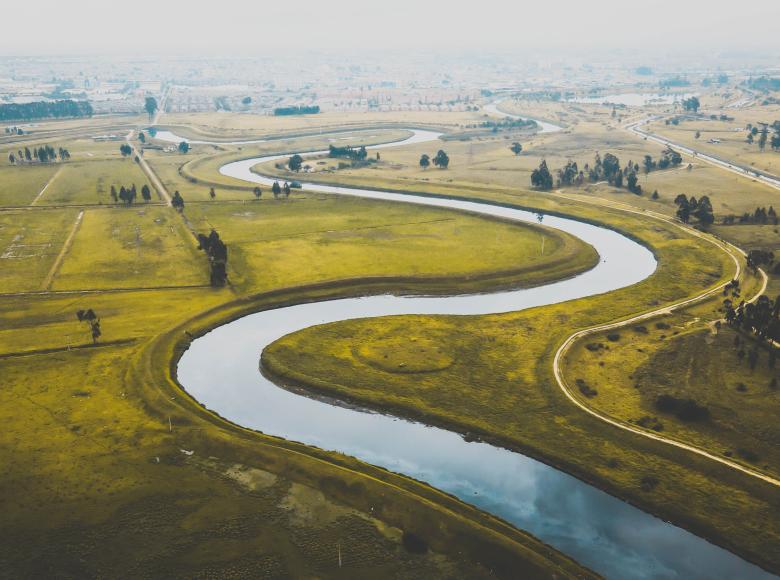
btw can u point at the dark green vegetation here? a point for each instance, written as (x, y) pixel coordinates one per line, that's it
(297, 110)
(44, 110)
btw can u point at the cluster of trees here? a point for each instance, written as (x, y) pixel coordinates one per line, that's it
(440, 160)
(764, 84)
(508, 124)
(761, 136)
(278, 190)
(354, 153)
(43, 154)
(127, 195)
(700, 209)
(760, 215)
(603, 169)
(691, 104)
(90, 319)
(759, 318)
(14, 131)
(298, 110)
(217, 253)
(45, 110)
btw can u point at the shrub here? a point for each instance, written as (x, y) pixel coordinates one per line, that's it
(613, 337)
(641, 329)
(585, 389)
(594, 346)
(747, 455)
(663, 325)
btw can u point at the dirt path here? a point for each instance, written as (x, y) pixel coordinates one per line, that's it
(63, 252)
(45, 187)
(734, 254)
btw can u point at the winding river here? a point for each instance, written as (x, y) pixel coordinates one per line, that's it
(220, 369)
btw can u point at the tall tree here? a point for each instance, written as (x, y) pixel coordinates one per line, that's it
(541, 178)
(295, 162)
(425, 161)
(151, 107)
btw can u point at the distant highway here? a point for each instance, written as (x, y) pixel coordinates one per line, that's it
(744, 171)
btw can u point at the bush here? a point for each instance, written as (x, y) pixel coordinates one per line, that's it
(594, 346)
(613, 337)
(585, 388)
(747, 455)
(639, 328)
(663, 325)
(414, 543)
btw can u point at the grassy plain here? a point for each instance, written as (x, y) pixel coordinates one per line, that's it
(19, 186)
(122, 474)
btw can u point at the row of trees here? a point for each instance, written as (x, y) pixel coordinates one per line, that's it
(14, 131)
(217, 253)
(603, 169)
(700, 209)
(299, 110)
(45, 110)
(761, 136)
(440, 160)
(127, 195)
(43, 154)
(760, 216)
(759, 318)
(277, 190)
(354, 153)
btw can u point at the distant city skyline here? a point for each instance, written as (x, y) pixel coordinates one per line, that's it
(232, 27)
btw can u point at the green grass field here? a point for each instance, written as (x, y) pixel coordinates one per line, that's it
(118, 464)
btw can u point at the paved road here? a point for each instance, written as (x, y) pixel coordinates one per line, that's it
(742, 170)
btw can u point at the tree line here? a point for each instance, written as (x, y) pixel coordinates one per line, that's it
(606, 169)
(347, 152)
(42, 154)
(761, 136)
(760, 216)
(297, 110)
(127, 195)
(45, 110)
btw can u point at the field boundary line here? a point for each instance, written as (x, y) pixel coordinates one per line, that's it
(48, 183)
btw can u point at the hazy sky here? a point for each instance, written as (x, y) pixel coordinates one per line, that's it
(260, 27)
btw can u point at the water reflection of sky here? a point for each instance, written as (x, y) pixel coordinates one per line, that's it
(220, 370)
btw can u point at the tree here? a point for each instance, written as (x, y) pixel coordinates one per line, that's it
(141, 137)
(151, 107)
(749, 138)
(698, 134)
(632, 182)
(703, 211)
(258, 192)
(442, 161)
(516, 148)
(691, 104)
(217, 253)
(177, 201)
(611, 167)
(286, 188)
(295, 163)
(12, 159)
(683, 208)
(212, 193)
(90, 318)
(425, 161)
(775, 143)
(276, 189)
(146, 193)
(246, 101)
(762, 137)
(184, 147)
(125, 149)
(541, 178)
(114, 195)
(655, 195)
